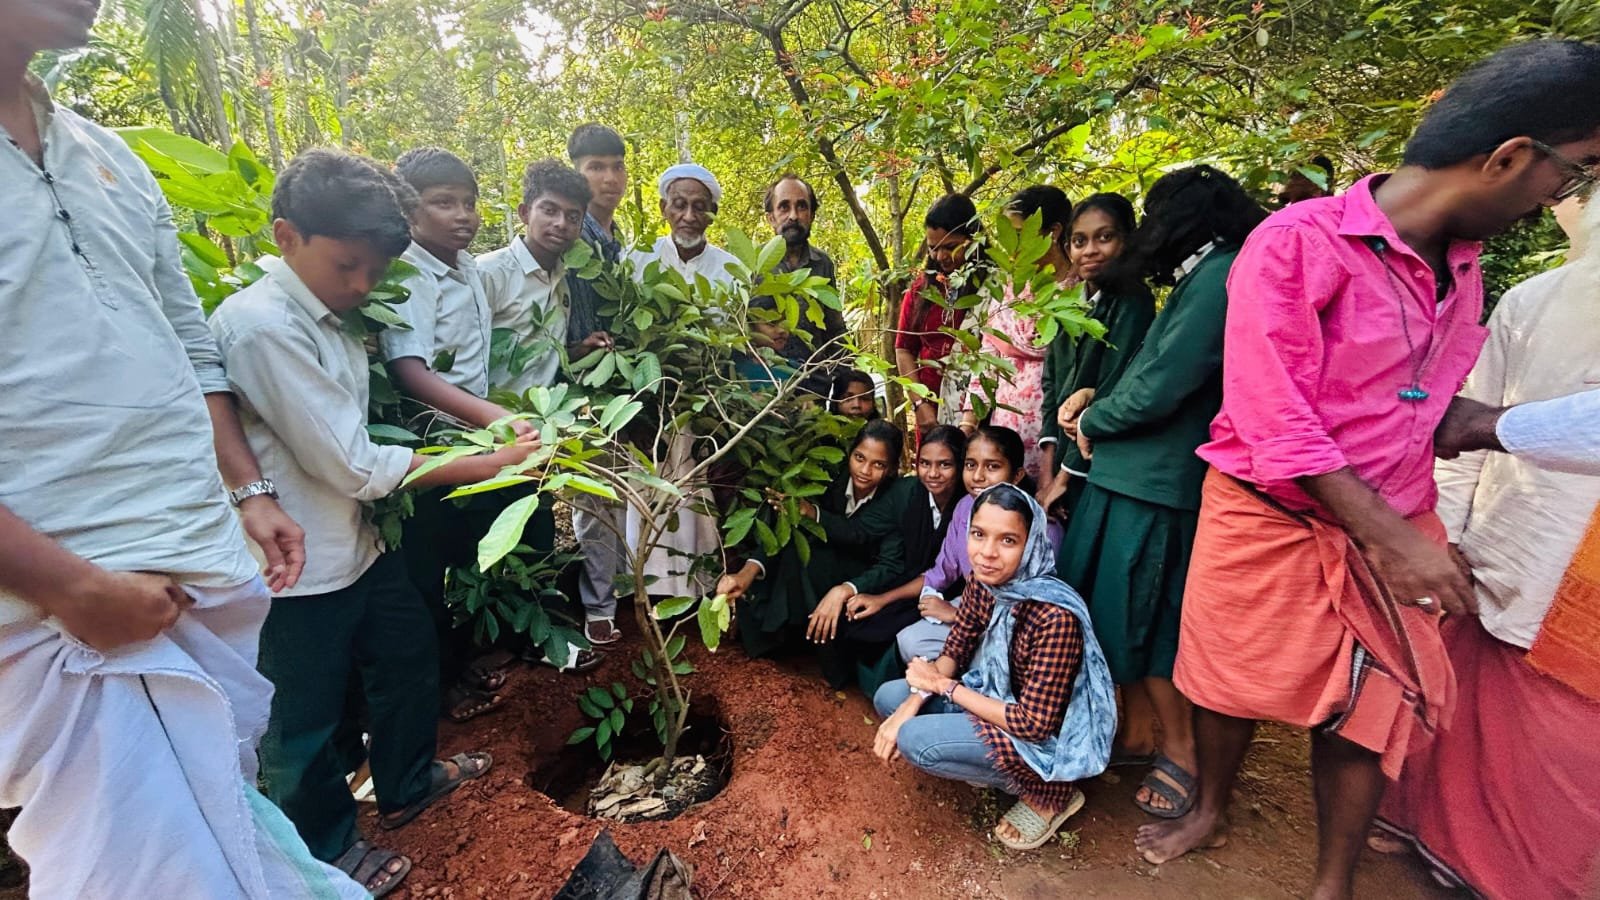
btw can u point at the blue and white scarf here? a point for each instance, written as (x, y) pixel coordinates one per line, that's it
(1083, 748)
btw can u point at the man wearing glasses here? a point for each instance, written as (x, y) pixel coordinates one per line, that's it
(1320, 564)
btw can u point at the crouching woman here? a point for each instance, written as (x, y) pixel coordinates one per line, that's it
(1020, 699)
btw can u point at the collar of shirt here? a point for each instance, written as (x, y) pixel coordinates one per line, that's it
(1193, 262)
(809, 260)
(851, 502)
(424, 260)
(1363, 219)
(530, 265)
(286, 278)
(938, 515)
(44, 108)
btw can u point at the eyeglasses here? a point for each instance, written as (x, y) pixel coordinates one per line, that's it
(1580, 181)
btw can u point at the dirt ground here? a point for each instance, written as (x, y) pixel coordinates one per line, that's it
(810, 812)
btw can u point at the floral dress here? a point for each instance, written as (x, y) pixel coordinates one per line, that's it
(1023, 391)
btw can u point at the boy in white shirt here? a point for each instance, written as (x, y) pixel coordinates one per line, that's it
(292, 346)
(529, 294)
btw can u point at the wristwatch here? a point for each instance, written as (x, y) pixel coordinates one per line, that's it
(253, 489)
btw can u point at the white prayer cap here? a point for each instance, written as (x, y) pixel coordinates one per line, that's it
(691, 170)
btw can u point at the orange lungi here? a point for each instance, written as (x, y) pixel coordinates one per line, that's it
(1283, 620)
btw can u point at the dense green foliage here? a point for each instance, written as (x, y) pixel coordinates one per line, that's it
(882, 105)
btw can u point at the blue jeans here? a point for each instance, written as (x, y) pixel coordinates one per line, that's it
(941, 740)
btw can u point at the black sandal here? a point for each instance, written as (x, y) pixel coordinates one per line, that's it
(364, 863)
(1179, 791)
(468, 767)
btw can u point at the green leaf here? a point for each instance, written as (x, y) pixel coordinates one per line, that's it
(647, 371)
(391, 434)
(204, 248)
(602, 730)
(743, 249)
(493, 484)
(710, 634)
(616, 721)
(673, 607)
(618, 413)
(589, 709)
(675, 646)
(506, 532)
(192, 154)
(600, 697)
(581, 735)
(770, 256)
(586, 485)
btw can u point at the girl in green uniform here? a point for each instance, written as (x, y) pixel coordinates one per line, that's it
(1128, 541)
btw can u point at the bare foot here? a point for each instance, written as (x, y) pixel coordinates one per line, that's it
(1164, 841)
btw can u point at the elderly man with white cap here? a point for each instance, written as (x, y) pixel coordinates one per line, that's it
(690, 195)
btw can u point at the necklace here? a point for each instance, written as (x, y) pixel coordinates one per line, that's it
(1415, 393)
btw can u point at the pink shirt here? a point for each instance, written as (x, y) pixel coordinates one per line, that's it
(1315, 353)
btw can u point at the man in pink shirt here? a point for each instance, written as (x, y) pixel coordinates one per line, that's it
(1319, 566)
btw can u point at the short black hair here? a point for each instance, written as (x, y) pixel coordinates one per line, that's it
(1326, 165)
(430, 167)
(595, 140)
(335, 194)
(1548, 90)
(886, 433)
(811, 192)
(1184, 210)
(953, 212)
(552, 176)
(1050, 202)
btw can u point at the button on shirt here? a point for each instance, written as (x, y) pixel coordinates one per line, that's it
(104, 361)
(448, 313)
(300, 373)
(1316, 354)
(532, 303)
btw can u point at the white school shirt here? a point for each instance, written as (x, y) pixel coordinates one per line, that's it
(104, 361)
(1519, 525)
(301, 375)
(447, 312)
(532, 303)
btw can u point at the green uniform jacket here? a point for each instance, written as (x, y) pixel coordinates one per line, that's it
(902, 525)
(1147, 428)
(1127, 316)
(791, 589)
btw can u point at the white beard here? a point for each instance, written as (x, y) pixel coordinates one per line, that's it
(694, 243)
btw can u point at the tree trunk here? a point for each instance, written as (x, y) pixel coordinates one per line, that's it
(258, 56)
(216, 107)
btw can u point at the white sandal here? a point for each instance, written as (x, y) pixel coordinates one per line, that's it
(611, 622)
(1034, 829)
